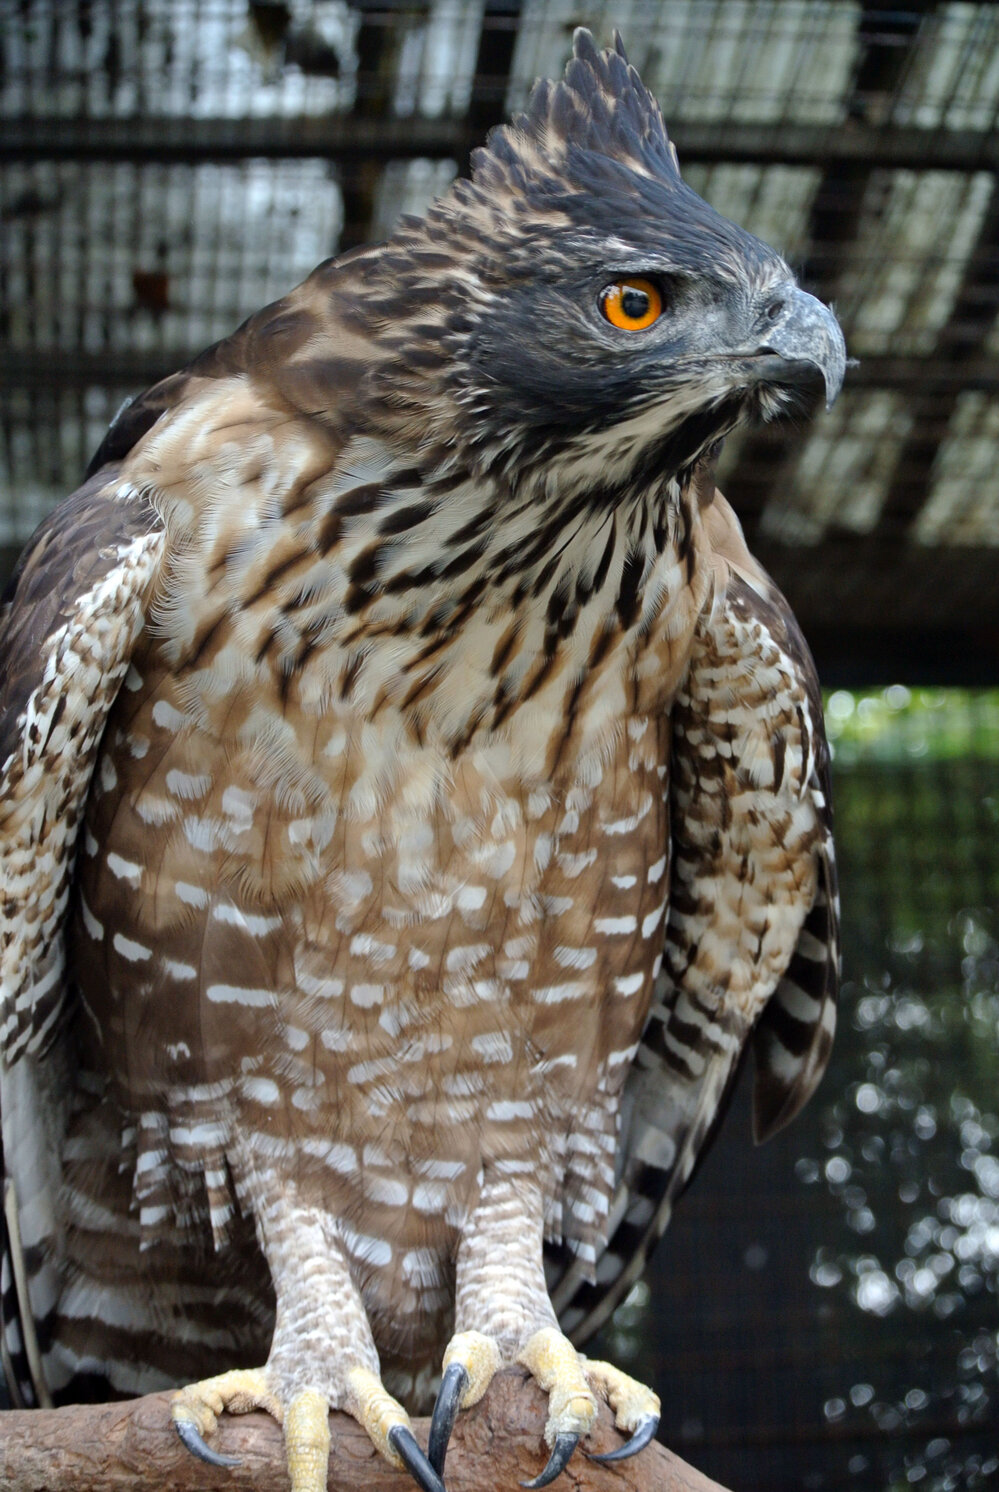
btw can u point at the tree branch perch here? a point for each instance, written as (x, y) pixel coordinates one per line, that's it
(131, 1447)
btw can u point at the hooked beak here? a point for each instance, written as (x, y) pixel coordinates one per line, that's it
(806, 331)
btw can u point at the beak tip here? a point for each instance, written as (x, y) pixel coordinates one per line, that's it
(809, 332)
(833, 377)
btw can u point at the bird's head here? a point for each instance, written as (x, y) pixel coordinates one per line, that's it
(592, 312)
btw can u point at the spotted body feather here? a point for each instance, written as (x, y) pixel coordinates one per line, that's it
(415, 806)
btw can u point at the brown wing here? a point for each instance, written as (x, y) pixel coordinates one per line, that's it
(70, 617)
(263, 348)
(68, 622)
(752, 951)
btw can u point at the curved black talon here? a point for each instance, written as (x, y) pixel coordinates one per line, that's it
(644, 1431)
(562, 1450)
(191, 1436)
(446, 1406)
(403, 1443)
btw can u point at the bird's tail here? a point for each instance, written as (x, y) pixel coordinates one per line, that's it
(668, 1119)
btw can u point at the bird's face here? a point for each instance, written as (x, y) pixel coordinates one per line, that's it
(632, 358)
(602, 316)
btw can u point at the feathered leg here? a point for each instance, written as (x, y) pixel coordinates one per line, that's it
(503, 1315)
(322, 1356)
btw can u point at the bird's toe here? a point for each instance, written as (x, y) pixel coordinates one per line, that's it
(196, 1408)
(403, 1442)
(644, 1432)
(307, 1440)
(554, 1363)
(388, 1426)
(195, 1442)
(446, 1405)
(470, 1364)
(636, 1408)
(559, 1459)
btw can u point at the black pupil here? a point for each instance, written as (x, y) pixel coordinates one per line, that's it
(635, 303)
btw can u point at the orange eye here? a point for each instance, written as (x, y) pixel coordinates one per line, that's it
(631, 305)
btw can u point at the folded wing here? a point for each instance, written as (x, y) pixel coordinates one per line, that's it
(69, 621)
(751, 957)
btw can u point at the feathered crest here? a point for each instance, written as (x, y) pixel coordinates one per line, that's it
(601, 104)
(590, 154)
(600, 108)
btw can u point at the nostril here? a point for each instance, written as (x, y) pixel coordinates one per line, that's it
(776, 309)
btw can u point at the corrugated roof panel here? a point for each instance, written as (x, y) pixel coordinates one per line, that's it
(437, 59)
(963, 507)
(748, 62)
(953, 78)
(408, 186)
(771, 201)
(843, 472)
(104, 256)
(745, 61)
(899, 280)
(200, 58)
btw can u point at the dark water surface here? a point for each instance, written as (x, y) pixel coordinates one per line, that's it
(823, 1312)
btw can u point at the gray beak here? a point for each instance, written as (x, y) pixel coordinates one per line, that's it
(806, 331)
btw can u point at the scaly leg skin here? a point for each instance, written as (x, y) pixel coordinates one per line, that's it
(554, 1363)
(322, 1357)
(636, 1408)
(195, 1409)
(503, 1316)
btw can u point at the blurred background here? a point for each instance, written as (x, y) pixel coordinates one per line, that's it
(823, 1313)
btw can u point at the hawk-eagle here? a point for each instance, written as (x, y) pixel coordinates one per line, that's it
(415, 803)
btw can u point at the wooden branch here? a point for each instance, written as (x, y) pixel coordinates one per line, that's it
(132, 1447)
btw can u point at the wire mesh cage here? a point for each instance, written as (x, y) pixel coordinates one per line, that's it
(168, 166)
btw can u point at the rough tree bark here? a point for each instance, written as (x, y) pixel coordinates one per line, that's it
(131, 1447)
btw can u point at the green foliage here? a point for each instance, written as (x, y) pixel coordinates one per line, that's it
(899, 724)
(908, 1118)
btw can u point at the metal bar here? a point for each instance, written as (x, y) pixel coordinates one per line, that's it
(117, 368)
(350, 138)
(842, 583)
(340, 137)
(837, 590)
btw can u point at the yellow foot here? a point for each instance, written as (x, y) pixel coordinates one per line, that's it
(305, 1417)
(195, 1411)
(470, 1364)
(388, 1427)
(636, 1408)
(554, 1363)
(570, 1380)
(472, 1359)
(307, 1441)
(480, 1358)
